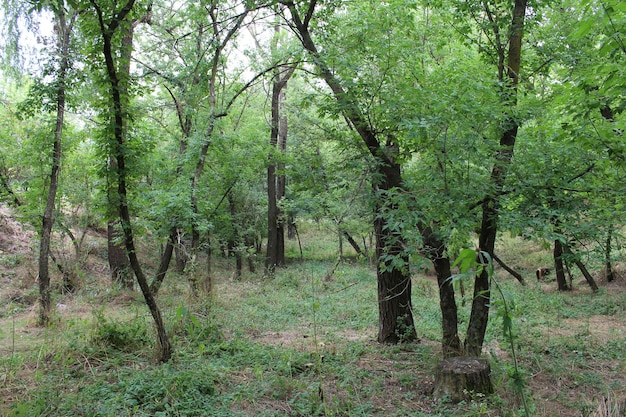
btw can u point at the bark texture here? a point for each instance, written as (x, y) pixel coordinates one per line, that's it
(63, 30)
(461, 378)
(491, 204)
(275, 250)
(394, 283)
(119, 120)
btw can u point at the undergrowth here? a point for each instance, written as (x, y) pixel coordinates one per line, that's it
(302, 345)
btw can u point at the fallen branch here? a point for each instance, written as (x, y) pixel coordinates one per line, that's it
(509, 270)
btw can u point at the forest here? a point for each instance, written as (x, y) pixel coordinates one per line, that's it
(313, 208)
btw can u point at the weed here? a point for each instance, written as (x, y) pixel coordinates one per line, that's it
(123, 336)
(252, 350)
(11, 261)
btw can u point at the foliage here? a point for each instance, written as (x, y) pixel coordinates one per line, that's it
(426, 78)
(114, 334)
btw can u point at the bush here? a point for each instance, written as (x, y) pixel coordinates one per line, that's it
(123, 336)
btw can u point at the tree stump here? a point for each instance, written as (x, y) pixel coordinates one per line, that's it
(460, 378)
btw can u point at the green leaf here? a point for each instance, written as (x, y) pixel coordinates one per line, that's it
(583, 29)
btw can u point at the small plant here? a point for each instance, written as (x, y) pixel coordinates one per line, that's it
(195, 327)
(126, 337)
(405, 333)
(11, 261)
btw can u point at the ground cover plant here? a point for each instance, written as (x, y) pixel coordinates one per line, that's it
(302, 343)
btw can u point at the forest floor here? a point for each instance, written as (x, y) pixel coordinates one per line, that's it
(296, 344)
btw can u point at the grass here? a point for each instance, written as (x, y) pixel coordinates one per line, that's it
(299, 345)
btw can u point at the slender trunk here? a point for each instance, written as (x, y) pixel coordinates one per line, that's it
(340, 239)
(435, 250)
(491, 205)
(275, 251)
(208, 282)
(354, 244)
(608, 267)
(510, 270)
(272, 222)
(180, 250)
(582, 267)
(281, 178)
(559, 268)
(119, 265)
(119, 121)
(63, 39)
(235, 239)
(163, 265)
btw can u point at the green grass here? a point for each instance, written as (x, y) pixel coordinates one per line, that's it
(299, 345)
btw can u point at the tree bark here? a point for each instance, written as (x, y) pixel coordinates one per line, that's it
(119, 121)
(163, 265)
(63, 31)
(510, 270)
(434, 249)
(608, 267)
(491, 205)
(559, 269)
(275, 250)
(582, 267)
(395, 317)
(354, 244)
(461, 378)
(119, 265)
(235, 239)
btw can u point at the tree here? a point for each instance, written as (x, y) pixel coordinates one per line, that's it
(119, 118)
(63, 27)
(568, 180)
(276, 184)
(394, 282)
(203, 93)
(509, 75)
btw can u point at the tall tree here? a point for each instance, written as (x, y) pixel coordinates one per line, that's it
(109, 26)
(508, 74)
(199, 38)
(394, 281)
(64, 23)
(276, 184)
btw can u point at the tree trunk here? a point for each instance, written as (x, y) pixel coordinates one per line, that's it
(119, 265)
(395, 310)
(63, 31)
(608, 267)
(559, 269)
(281, 179)
(275, 251)
(582, 267)
(163, 265)
(354, 244)
(489, 226)
(435, 249)
(510, 270)
(181, 251)
(272, 223)
(235, 243)
(119, 126)
(395, 317)
(462, 378)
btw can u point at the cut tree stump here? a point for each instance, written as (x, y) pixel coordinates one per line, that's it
(461, 378)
